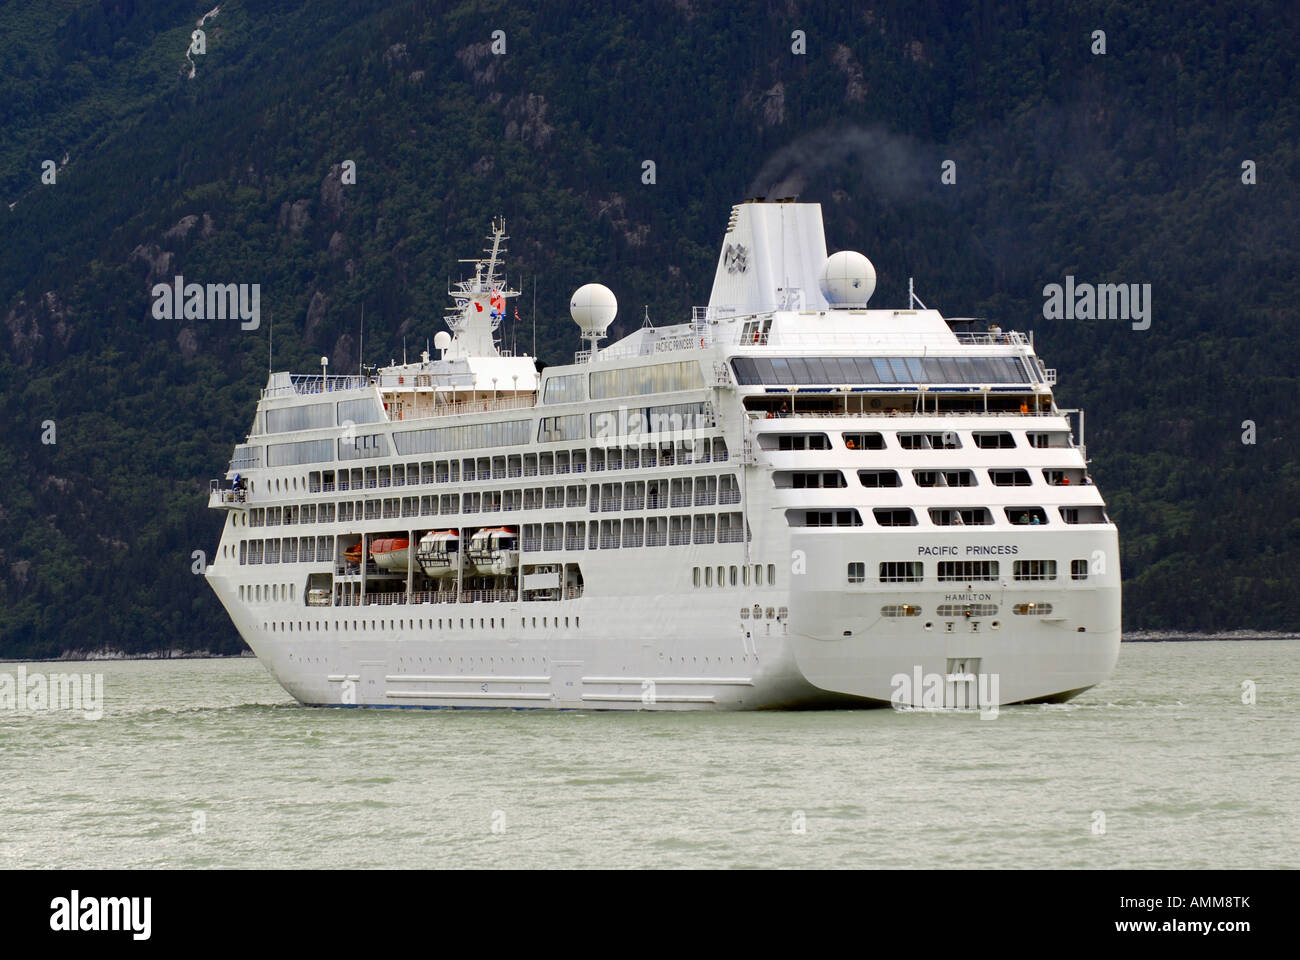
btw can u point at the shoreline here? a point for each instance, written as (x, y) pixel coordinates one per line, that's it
(1135, 636)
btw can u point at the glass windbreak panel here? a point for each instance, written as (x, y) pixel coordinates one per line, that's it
(833, 371)
(305, 417)
(366, 410)
(566, 389)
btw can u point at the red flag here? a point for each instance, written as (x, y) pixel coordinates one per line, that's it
(498, 302)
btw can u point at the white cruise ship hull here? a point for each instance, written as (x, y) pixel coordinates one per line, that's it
(791, 501)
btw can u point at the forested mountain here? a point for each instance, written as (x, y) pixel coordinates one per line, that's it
(1122, 166)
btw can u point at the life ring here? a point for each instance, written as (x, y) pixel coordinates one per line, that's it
(701, 343)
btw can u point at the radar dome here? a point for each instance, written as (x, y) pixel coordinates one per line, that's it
(847, 279)
(593, 306)
(442, 339)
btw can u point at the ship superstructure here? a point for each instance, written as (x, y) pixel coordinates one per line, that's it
(790, 500)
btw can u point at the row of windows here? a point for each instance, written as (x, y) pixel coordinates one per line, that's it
(1011, 477)
(681, 453)
(604, 497)
(941, 516)
(415, 623)
(913, 571)
(966, 610)
(674, 453)
(287, 550)
(751, 371)
(913, 440)
(618, 532)
(739, 577)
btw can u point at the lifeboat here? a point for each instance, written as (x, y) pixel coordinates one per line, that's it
(390, 553)
(494, 551)
(439, 554)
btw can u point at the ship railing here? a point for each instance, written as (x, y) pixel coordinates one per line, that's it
(704, 501)
(488, 596)
(679, 537)
(729, 496)
(219, 496)
(866, 339)
(457, 408)
(315, 384)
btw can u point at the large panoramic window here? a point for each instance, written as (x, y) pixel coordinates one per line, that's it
(656, 378)
(503, 434)
(633, 421)
(835, 371)
(566, 389)
(305, 417)
(366, 410)
(308, 451)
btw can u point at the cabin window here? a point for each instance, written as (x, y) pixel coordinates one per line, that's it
(1078, 569)
(999, 440)
(900, 610)
(879, 478)
(857, 572)
(823, 518)
(809, 480)
(1032, 609)
(950, 570)
(864, 441)
(794, 441)
(901, 571)
(1010, 478)
(943, 478)
(894, 516)
(960, 516)
(1034, 570)
(929, 441)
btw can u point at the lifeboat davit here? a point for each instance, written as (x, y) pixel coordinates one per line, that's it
(390, 553)
(439, 554)
(494, 552)
(353, 553)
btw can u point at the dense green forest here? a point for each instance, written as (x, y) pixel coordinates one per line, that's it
(1122, 166)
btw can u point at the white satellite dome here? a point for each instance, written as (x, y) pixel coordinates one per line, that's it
(847, 280)
(442, 340)
(593, 307)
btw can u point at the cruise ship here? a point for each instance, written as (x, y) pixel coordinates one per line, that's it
(790, 500)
